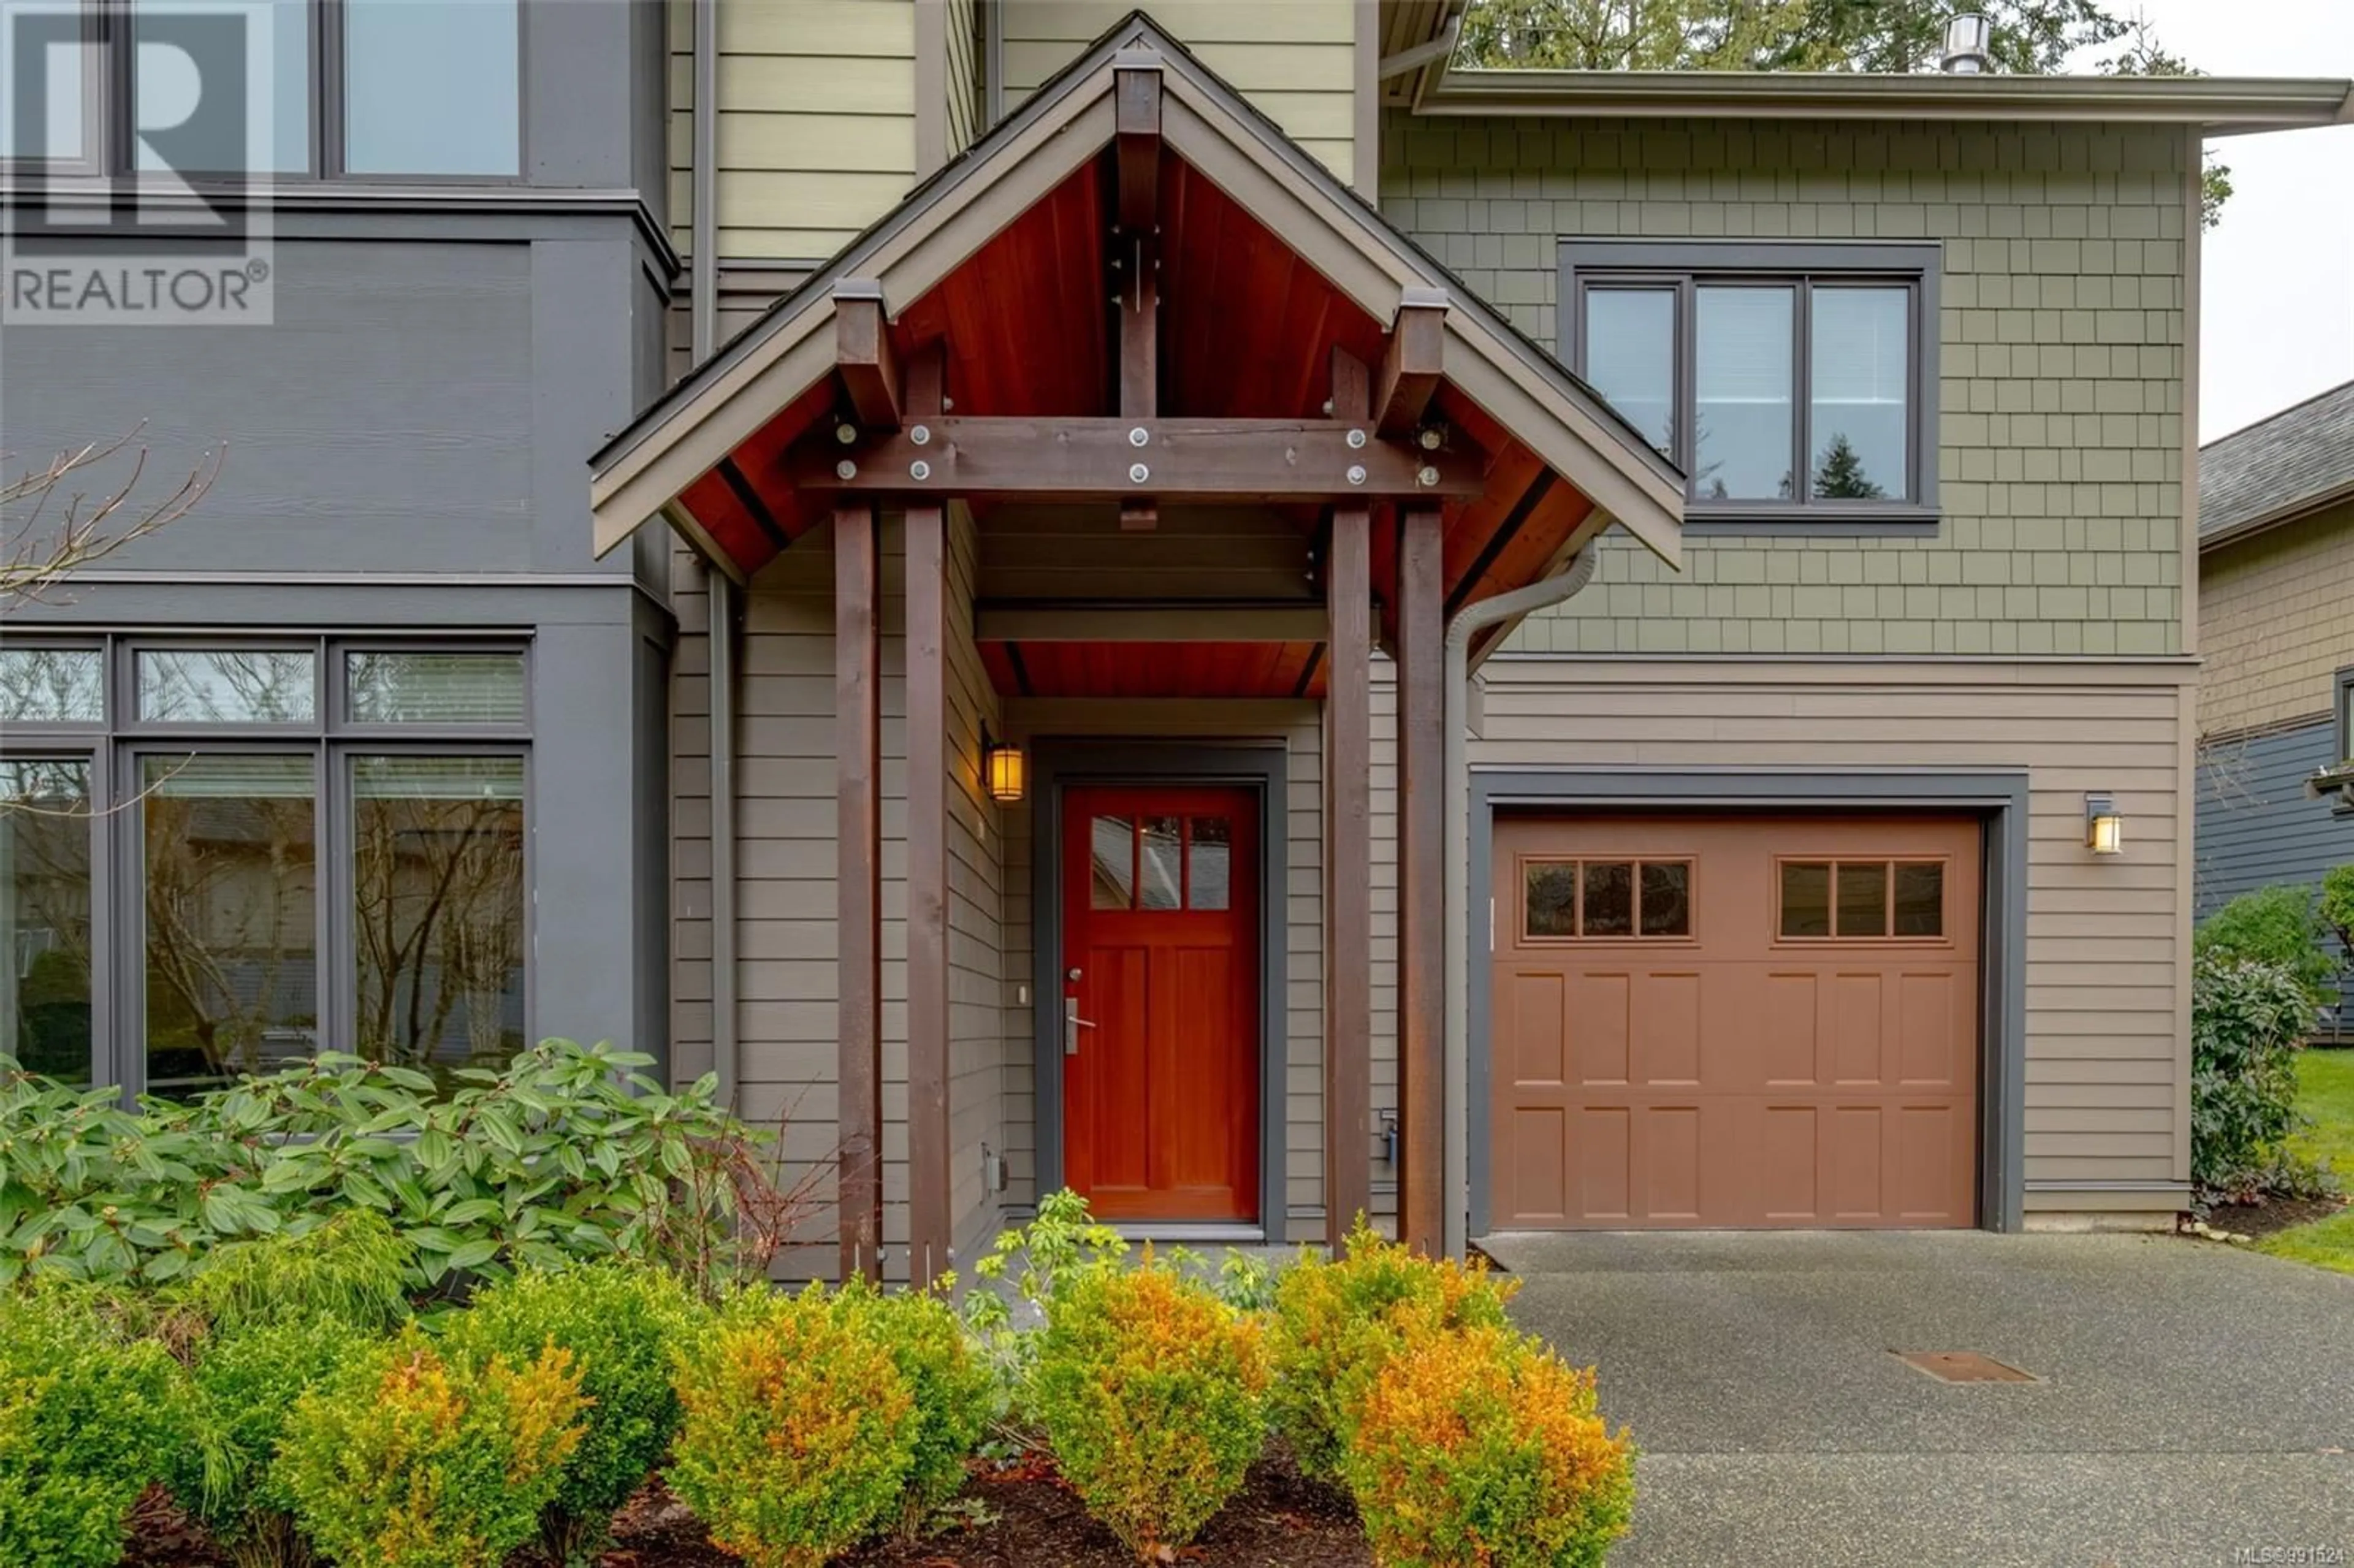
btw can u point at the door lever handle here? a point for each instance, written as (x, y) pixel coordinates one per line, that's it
(1071, 1024)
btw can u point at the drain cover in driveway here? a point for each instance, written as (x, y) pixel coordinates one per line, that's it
(1961, 1366)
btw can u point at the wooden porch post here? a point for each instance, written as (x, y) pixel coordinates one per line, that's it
(1422, 818)
(928, 1221)
(1348, 874)
(858, 745)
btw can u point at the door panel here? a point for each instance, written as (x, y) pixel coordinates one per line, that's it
(1160, 922)
(1794, 1043)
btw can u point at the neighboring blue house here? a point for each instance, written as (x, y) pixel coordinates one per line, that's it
(2277, 633)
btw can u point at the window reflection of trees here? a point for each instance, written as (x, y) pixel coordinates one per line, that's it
(209, 686)
(231, 905)
(438, 900)
(45, 915)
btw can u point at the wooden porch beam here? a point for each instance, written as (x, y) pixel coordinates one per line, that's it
(1136, 126)
(931, 1232)
(862, 354)
(1048, 620)
(1421, 821)
(1348, 875)
(1411, 364)
(1264, 461)
(858, 821)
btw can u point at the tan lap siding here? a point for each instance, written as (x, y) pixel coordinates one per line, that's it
(1295, 60)
(2106, 1056)
(2276, 623)
(1298, 727)
(817, 122)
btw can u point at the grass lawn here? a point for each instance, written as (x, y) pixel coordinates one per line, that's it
(2326, 1096)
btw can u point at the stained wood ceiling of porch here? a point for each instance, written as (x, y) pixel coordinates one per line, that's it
(1248, 331)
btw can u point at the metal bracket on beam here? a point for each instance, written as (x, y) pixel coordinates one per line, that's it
(862, 352)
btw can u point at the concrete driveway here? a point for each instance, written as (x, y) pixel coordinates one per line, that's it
(2192, 1402)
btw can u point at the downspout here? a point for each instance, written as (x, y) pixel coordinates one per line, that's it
(1470, 622)
(702, 306)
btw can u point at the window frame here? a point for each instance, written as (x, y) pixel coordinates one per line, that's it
(1577, 937)
(1803, 266)
(1835, 937)
(114, 746)
(110, 98)
(2344, 713)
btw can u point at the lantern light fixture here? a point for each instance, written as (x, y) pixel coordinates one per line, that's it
(1004, 770)
(2105, 826)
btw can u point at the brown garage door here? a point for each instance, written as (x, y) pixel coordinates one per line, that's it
(1734, 1021)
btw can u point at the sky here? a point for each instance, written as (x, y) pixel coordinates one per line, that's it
(2277, 320)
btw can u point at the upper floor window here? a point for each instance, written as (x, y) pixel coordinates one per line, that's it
(338, 89)
(2346, 715)
(1793, 382)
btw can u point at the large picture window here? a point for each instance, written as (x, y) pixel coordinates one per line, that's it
(1794, 383)
(217, 857)
(339, 88)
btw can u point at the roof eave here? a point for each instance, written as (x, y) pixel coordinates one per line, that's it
(2222, 106)
(2297, 511)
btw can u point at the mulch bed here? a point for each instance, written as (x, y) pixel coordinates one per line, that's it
(1021, 1516)
(2257, 1220)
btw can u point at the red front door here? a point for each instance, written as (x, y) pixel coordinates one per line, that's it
(1160, 1056)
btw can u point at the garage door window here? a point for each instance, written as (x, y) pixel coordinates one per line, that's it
(1607, 900)
(1863, 900)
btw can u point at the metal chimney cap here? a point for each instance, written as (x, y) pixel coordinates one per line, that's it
(1969, 39)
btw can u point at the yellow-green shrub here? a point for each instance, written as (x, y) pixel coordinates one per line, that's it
(411, 1458)
(620, 1321)
(87, 1417)
(1336, 1324)
(246, 1383)
(955, 1390)
(1152, 1393)
(1479, 1450)
(797, 1430)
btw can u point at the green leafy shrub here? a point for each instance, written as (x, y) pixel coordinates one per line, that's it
(2280, 925)
(1153, 1394)
(955, 1394)
(354, 1268)
(87, 1418)
(567, 1153)
(1477, 1449)
(1335, 1325)
(2247, 1019)
(245, 1385)
(620, 1323)
(797, 1430)
(407, 1458)
(2338, 905)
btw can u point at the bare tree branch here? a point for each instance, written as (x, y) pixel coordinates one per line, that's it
(65, 517)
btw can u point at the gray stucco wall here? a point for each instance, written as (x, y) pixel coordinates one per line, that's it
(2257, 826)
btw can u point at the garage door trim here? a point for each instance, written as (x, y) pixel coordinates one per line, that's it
(1997, 797)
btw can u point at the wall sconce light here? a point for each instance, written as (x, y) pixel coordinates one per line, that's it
(1002, 762)
(2105, 826)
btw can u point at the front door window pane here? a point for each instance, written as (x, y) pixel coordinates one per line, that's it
(52, 685)
(1861, 369)
(1159, 864)
(435, 688)
(1111, 872)
(215, 686)
(438, 908)
(229, 875)
(1741, 427)
(1209, 864)
(45, 932)
(1630, 356)
(172, 41)
(432, 88)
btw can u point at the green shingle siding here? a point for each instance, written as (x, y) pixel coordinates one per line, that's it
(2060, 409)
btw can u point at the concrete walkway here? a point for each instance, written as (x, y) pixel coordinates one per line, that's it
(2194, 1402)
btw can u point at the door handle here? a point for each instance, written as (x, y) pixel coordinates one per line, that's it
(1071, 1024)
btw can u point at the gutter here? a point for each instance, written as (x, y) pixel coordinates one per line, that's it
(1456, 929)
(704, 316)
